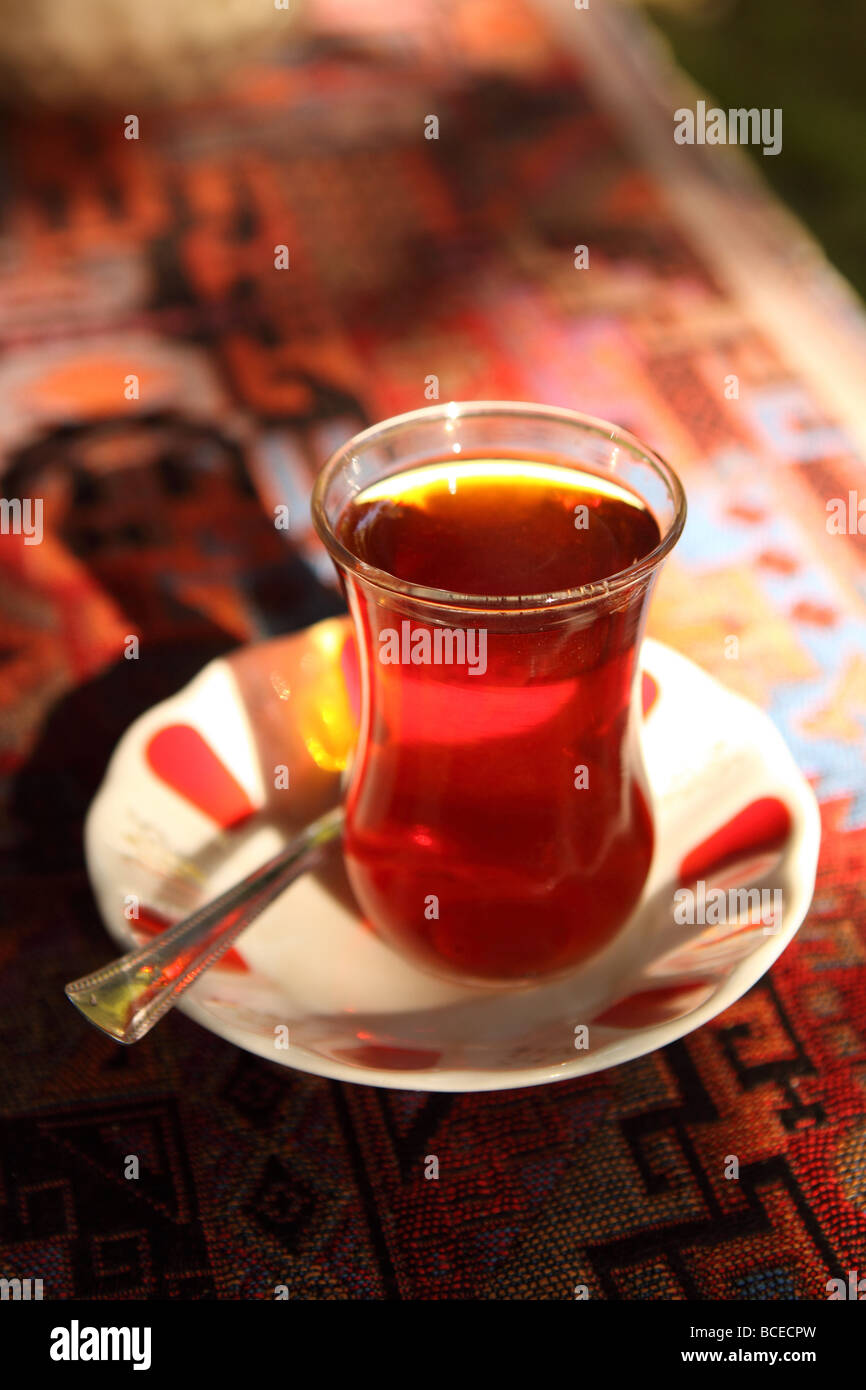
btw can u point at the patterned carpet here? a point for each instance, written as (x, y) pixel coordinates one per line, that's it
(705, 324)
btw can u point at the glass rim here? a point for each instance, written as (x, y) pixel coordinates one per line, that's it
(583, 594)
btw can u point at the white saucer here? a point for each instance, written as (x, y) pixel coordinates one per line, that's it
(353, 1008)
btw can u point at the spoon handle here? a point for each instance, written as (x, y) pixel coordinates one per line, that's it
(126, 998)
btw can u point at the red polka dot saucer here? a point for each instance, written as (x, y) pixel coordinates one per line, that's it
(213, 781)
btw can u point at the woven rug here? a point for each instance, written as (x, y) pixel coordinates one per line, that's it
(162, 383)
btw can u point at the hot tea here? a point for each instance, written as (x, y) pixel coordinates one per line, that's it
(497, 825)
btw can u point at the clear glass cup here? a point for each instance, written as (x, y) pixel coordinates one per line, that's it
(498, 828)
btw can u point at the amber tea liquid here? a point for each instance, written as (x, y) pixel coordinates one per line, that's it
(497, 823)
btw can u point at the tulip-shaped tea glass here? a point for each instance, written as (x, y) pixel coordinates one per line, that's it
(497, 560)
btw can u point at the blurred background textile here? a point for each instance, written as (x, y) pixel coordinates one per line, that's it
(153, 258)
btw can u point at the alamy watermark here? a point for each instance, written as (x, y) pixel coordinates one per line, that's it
(22, 517)
(77, 1343)
(738, 126)
(711, 907)
(20, 1290)
(438, 646)
(854, 1288)
(846, 516)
